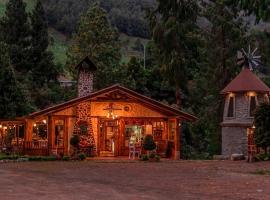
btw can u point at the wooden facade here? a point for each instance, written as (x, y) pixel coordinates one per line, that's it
(117, 115)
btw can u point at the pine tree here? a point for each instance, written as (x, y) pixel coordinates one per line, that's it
(16, 34)
(175, 34)
(13, 102)
(98, 40)
(42, 67)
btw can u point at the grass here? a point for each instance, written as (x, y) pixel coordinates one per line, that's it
(59, 46)
(264, 172)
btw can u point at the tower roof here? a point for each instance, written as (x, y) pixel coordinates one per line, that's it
(244, 82)
(90, 65)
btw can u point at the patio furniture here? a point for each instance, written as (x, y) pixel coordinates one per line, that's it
(134, 149)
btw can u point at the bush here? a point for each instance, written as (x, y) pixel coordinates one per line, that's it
(144, 157)
(75, 140)
(148, 143)
(82, 156)
(262, 157)
(152, 155)
(157, 158)
(66, 158)
(42, 158)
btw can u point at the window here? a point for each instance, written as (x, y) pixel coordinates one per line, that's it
(252, 105)
(231, 106)
(172, 129)
(158, 128)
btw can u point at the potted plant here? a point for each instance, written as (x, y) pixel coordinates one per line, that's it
(74, 142)
(149, 144)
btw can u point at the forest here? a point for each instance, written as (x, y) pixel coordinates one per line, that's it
(190, 46)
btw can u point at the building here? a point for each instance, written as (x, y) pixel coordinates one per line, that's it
(242, 96)
(106, 121)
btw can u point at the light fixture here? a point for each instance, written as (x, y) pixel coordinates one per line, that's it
(0, 125)
(111, 111)
(44, 121)
(35, 124)
(253, 126)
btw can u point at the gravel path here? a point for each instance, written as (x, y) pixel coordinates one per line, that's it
(124, 180)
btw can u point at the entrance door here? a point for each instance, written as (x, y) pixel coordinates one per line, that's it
(58, 142)
(108, 138)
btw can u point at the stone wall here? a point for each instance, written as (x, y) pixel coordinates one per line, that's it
(234, 140)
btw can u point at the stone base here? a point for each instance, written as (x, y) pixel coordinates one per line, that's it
(234, 140)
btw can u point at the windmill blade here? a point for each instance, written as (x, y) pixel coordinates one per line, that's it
(254, 51)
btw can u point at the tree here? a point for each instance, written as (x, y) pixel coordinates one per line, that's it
(43, 69)
(16, 34)
(98, 40)
(222, 39)
(262, 124)
(174, 32)
(13, 102)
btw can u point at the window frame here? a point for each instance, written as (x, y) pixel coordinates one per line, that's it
(228, 107)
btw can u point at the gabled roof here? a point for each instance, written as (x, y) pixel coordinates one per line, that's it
(170, 111)
(246, 81)
(90, 64)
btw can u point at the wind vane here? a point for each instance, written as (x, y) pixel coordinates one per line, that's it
(248, 59)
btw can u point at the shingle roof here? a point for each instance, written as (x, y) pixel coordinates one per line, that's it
(246, 81)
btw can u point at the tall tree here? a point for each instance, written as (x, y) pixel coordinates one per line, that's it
(13, 102)
(98, 40)
(42, 67)
(174, 31)
(16, 34)
(223, 38)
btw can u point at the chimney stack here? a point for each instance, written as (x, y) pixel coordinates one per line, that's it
(86, 69)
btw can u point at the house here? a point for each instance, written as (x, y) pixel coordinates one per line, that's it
(242, 95)
(106, 120)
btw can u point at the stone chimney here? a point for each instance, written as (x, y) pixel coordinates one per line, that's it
(86, 69)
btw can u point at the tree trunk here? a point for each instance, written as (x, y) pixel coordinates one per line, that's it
(178, 96)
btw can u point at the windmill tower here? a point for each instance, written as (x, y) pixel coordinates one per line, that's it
(242, 95)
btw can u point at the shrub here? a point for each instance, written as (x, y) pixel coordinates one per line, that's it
(82, 156)
(42, 158)
(75, 140)
(148, 143)
(157, 158)
(66, 158)
(262, 157)
(152, 155)
(144, 157)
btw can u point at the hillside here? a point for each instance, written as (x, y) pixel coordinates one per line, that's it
(62, 23)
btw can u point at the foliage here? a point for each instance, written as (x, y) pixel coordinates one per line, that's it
(126, 15)
(82, 156)
(149, 143)
(262, 157)
(75, 140)
(66, 158)
(15, 30)
(144, 157)
(262, 124)
(174, 32)
(42, 158)
(98, 40)
(13, 101)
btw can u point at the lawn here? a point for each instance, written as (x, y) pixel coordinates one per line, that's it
(134, 180)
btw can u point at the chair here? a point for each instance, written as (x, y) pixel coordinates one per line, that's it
(134, 149)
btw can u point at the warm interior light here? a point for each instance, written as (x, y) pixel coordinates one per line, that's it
(35, 125)
(231, 94)
(251, 94)
(44, 121)
(253, 126)
(0, 125)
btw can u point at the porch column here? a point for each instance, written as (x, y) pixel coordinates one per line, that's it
(50, 130)
(177, 141)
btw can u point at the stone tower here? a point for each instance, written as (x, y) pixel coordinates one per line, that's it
(242, 96)
(83, 126)
(86, 69)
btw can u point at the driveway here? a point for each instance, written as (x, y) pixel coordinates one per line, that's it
(134, 180)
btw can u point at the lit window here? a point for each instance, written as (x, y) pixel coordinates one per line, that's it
(252, 105)
(230, 112)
